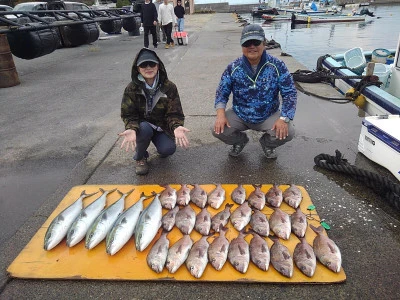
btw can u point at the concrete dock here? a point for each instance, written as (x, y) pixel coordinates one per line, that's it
(59, 129)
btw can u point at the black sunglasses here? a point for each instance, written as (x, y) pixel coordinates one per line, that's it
(146, 64)
(251, 42)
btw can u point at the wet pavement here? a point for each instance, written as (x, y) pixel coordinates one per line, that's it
(61, 130)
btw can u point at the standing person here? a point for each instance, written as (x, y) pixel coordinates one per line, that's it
(151, 111)
(187, 6)
(149, 17)
(255, 80)
(167, 18)
(180, 15)
(158, 26)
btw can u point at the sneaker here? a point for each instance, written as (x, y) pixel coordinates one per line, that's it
(237, 148)
(155, 46)
(269, 152)
(142, 168)
(172, 45)
(166, 46)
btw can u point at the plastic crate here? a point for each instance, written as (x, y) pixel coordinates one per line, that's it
(382, 71)
(355, 60)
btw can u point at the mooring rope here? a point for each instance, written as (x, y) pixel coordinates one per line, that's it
(382, 185)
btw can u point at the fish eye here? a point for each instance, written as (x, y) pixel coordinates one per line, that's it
(213, 260)
(328, 264)
(191, 268)
(236, 263)
(72, 232)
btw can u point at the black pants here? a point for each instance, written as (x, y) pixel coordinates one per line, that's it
(152, 30)
(168, 32)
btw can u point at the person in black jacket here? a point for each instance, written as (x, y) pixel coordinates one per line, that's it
(149, 16)
(179, 13)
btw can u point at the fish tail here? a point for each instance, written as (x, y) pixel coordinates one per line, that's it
(84, 195)
(315, 229)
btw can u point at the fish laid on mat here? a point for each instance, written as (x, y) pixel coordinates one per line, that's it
(274, 196)
(292, 196)
(168, 220)
(240, 217)
(124, 227)
(221, 218)
(148, 224)
(218, 250)
(304, 258)
(58, 228)
(198, 196)
(197, 260)
(185, 219)
(239, 253)
(203, 222)
(299, 223)
(259, 252)
(279, 222)
(257, 197)
(104, 222)
(84, 220)
(168, 197)
(183, 195)
(239, 194)
(178, 253)
(157, 256)
(216, 197)
(259, 223)
(326, 250)
(280, 258)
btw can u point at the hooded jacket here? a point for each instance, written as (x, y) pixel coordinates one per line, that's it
(166, 111)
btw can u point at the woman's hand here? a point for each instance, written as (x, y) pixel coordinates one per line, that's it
(180, 136)
(129, 141)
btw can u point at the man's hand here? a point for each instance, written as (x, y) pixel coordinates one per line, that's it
(220, 121)
(180, 136)
(155, 23)
(129, 141)
(281, 129)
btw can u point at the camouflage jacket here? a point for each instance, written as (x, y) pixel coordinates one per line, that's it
(167, 110)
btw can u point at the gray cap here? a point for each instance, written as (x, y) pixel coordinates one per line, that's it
(147, 55)
(252, 32)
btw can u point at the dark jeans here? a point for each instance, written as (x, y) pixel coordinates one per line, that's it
(165, 144)
(150, 29)
(168, 32)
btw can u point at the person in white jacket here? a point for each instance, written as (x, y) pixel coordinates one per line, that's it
(166, 17)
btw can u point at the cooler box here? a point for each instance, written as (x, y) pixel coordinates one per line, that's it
(182, 37)
(380, 141)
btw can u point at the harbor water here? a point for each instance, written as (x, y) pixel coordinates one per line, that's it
(307, 42)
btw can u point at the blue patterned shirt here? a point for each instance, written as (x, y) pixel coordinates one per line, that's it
(256, 95)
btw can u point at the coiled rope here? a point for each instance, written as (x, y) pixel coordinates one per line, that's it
(382, 185)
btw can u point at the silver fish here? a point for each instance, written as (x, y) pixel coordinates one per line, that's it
(157, 256)
(257, 198)
(259, 223)
(259, 252)
(178, 253)
(274, 196)
(216, 197)
(84, 220)
(326, 250)
(279, 223)
(241, 216)
(148, 224)
(58, 228)
(203, 222)
(239, 194)
(168, 220)
(218, 250)
(292, 196)
(304, 258)
(281, 259)
(104, 222)
(198, 196)
(124, 227)
(221, 218)
(168, 197)
(239, 253)
(197, 260)
(183, 195)
(185, 219)
(299, 223)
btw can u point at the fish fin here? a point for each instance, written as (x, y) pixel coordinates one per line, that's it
(104, 216)
(83, 214)
(159, 250)
(124, 220)
(101, 190)
(242, 213)
(206, 218)
(308, 255)
(223, 248)
(261, 219)
(331, 247)
(283, 220)
(179, 249)
(201, 253)
(315, 229)
(221, 217)
(241, 250)
(302, 220)
(147, 217)
(264, 249)
(61, 218)
(286, 255)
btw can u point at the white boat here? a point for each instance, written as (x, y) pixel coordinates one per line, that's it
(314, 19)
(379, 100)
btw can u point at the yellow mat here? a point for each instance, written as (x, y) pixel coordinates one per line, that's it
(128, 264)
